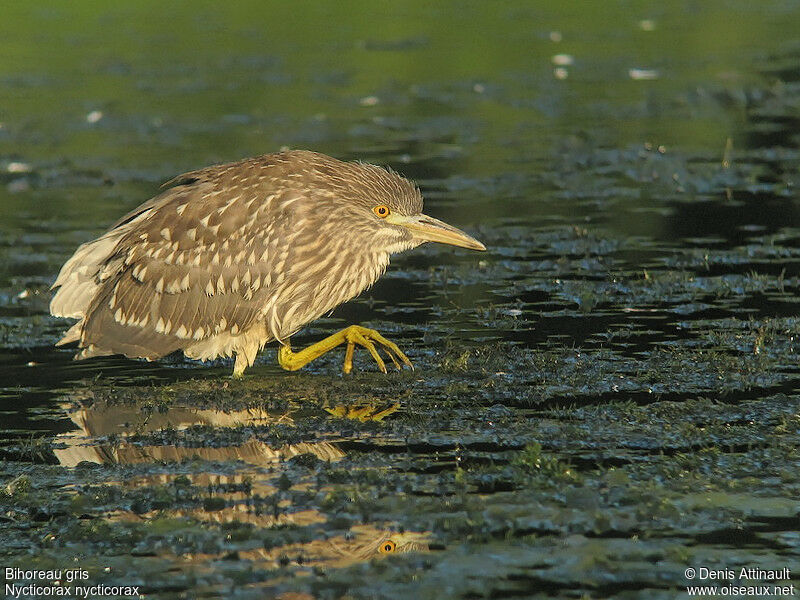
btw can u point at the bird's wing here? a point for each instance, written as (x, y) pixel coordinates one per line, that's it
(77, 282)
(190, 264)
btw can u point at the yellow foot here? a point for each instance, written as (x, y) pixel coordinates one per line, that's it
(355, 334)
(367, 338)
(364, 413)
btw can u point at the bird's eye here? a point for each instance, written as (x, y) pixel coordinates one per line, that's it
(381, 210)
(387, 547)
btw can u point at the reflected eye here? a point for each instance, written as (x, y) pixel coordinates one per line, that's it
(387, 547)
(381, 210)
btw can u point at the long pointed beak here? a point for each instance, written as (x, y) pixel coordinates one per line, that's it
(428, 229)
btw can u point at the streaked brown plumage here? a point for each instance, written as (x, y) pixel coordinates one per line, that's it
(233, 256)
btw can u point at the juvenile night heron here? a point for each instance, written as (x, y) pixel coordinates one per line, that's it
(233, 256)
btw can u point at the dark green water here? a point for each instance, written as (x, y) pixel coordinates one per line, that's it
(607, 397)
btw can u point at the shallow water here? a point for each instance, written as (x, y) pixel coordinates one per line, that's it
(606, 397)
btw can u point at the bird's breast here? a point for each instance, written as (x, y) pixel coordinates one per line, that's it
(311, 290)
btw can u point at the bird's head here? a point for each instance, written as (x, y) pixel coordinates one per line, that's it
(390, 206)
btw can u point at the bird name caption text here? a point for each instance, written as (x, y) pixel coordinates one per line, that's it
(74, 583)
(741, 581)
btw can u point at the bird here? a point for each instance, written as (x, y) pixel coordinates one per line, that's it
(230, 257)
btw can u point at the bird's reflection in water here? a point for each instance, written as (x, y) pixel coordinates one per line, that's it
(102, 419)
(363, 412)
(236, 491)
(362, 543)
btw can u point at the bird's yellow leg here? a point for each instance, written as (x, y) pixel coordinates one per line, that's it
(355, 334)
(239, 366)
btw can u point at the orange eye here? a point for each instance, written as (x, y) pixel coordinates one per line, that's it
(387, 547)
(381, 210)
